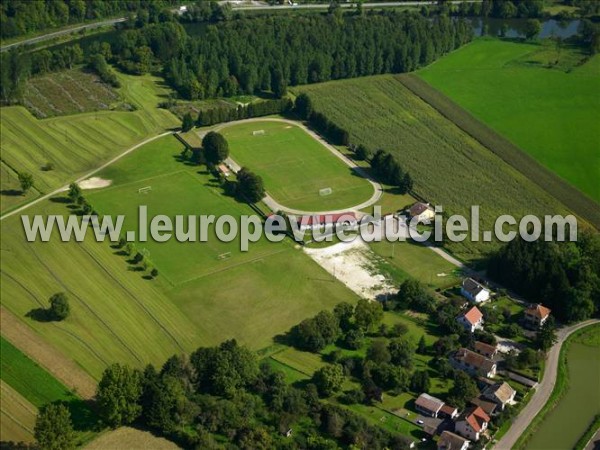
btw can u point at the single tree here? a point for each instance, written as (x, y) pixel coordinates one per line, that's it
(546, 336)
(532, 28)
(463, 390)
(329, 379)
(74, 192)
(250, 186)
(187, 123)
(378, 352)
(368, 314)
(53, 428)
(303, 106)
(59, 306)
(154, 272)
(118, 395)
(215, 147)
(26, 181)
(362, 153)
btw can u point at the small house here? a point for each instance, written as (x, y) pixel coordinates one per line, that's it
(451, 441)
(472, 423)
(449, 412)
(428, 405)
(473, 363)
(471, 320)
(421, 212)
(490, 408)
(474, 292)
(487, 350)
(500, 393)
(536, 315)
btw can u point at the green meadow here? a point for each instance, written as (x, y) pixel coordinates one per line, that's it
(551, 113)
(295, 166)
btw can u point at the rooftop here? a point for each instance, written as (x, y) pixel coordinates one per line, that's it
(482, 347)
(538, 311)
(473, 315)
(428, 402)
(451, 441)
(472, 286)
(474, 359)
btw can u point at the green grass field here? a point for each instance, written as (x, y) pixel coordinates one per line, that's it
(17, 415)
(295, 166)
(79, 143)
(449, 167)
(550, 113)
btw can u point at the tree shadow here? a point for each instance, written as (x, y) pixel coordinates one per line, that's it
(11, 192)
(148, 277)
(63, 200)
(40, 315)
(135, 268)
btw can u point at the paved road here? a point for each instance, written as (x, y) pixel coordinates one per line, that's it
(93, 172)
(543, 391)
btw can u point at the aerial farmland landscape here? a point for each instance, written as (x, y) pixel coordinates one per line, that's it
(269, 224)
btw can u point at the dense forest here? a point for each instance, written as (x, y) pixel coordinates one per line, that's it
(565, 276)
(19, 17)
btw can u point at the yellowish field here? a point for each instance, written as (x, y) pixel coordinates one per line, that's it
(17, 417)
(127, 438)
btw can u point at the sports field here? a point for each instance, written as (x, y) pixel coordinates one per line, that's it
(550, 113)
(79, 143)
(295, 166)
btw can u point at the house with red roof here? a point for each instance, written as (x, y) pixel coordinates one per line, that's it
(471, 320)
(472, 423)
(536, 315)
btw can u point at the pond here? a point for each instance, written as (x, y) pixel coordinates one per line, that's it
(516, 27)
(566, 423)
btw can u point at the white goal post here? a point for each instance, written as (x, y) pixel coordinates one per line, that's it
(325, 191)
(144, 190)
(258, 132)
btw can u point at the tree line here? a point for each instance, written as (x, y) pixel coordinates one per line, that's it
(249, 54)
(564, 276)
(502, 9)
(19, 17)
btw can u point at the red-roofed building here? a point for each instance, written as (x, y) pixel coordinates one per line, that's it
(536, 315)
(471, 320)
(472, 423)
(326, 220)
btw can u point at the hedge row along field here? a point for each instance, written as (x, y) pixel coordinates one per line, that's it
(448, 166)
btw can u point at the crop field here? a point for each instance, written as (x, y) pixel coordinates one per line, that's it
(549, 113)
(77, 144)
(11, 190)
(17, 415)
(127, 438)
(295, 166)
(448, 166)
(562, 426)
(69, 92)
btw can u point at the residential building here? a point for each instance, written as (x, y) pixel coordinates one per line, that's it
(451, 441)
(472, 423)
(422, 211)
(474, 291)
(473, 363)
(428, 405)
(471, 320)
(487, 350)
(536, 315)
(500, 393)
(490, 408)
(448, 411)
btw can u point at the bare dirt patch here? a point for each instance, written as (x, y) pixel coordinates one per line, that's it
(94, 183)
(355, 265)
(127, 438)
(50, 358)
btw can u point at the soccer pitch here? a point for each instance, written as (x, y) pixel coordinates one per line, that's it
(295, 167)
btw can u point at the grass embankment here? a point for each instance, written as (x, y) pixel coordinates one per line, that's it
(449, 167)
(78, 143)
(295, 166)
(574, 401)
(537, 97)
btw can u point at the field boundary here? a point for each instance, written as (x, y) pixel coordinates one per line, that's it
(572, 198)
(46, 355)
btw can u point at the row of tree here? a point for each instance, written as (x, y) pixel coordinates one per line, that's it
(503, 9)
(387, 169)
(219, 114)
(19, 17)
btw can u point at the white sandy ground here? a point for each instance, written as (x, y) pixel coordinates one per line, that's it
(94, 183)
(353, 263)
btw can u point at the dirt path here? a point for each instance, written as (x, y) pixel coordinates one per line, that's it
(542, 392)
(87, 175)
(46, 355)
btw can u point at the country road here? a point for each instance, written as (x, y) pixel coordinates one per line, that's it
(235, 6)
(542, 392)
